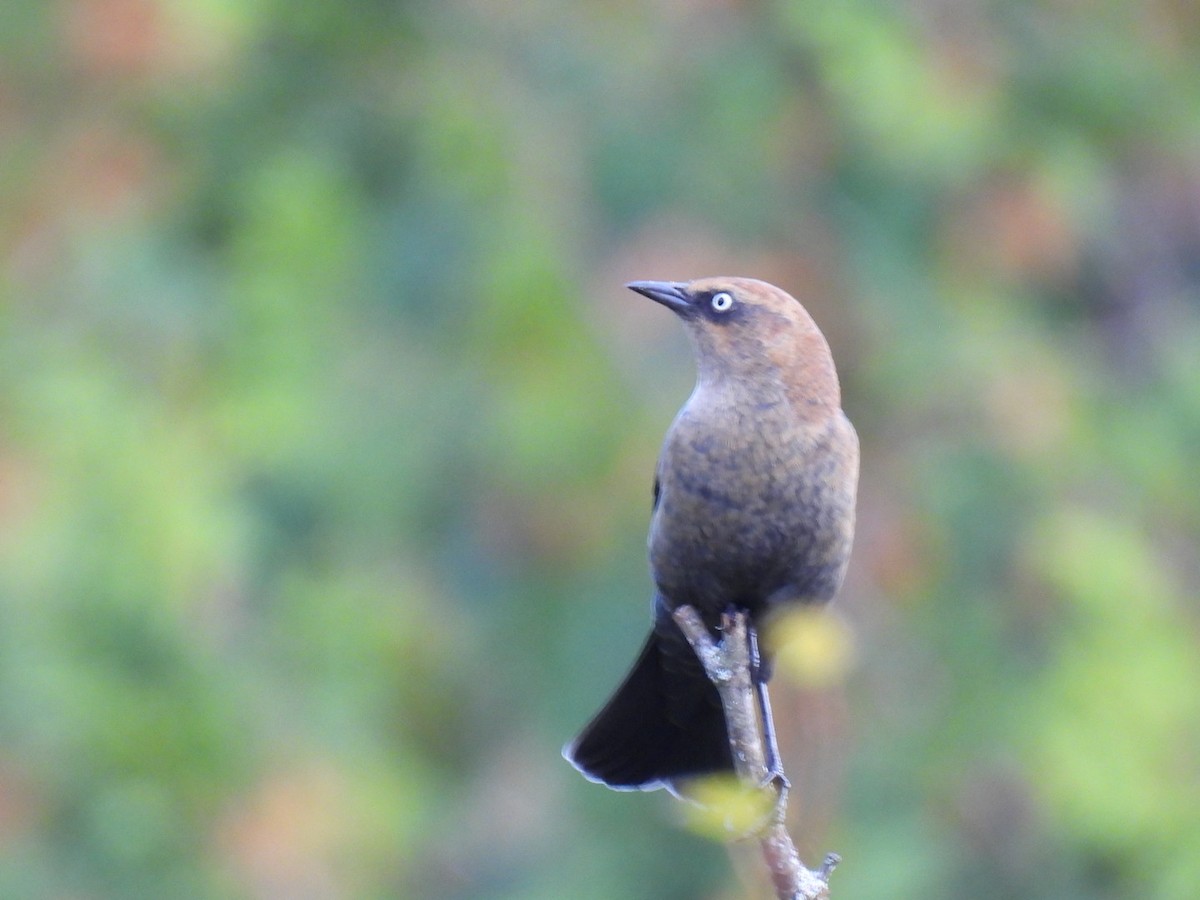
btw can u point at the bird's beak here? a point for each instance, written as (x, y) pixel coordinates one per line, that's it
(671, 294)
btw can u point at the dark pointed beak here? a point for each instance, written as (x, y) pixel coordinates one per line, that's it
(671, 294)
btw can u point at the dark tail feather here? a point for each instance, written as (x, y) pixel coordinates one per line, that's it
(663, 723)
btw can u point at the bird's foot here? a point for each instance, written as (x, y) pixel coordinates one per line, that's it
(778, 784)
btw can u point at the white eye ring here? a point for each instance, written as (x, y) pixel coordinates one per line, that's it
(722, 301)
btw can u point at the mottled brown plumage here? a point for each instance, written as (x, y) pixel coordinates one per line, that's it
(753, 509)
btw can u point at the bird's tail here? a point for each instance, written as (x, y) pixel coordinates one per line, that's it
(663, 724)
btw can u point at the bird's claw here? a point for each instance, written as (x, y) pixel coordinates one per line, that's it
(779, 782)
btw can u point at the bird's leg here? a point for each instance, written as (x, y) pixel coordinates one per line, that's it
(775, 776)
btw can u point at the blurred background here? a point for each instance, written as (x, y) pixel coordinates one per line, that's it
(327, 432)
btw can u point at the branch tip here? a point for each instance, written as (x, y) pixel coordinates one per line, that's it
(828, 865)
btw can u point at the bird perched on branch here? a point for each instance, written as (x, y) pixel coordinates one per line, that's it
(753, 510)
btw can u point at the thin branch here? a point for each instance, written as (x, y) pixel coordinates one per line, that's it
(727, 664)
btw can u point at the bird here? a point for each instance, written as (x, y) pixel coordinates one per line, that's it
(753, 511)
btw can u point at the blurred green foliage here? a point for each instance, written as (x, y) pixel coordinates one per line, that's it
(326, 434)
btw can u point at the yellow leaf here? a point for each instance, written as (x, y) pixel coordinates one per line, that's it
(722, 807)
(813, 647)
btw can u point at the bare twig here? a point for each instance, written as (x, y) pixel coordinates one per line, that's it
(727, 664)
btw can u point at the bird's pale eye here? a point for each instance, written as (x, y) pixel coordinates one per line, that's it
(722, 301)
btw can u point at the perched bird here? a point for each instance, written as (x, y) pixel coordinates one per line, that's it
(753, 510)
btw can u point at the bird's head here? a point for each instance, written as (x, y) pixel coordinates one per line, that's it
(752, 331)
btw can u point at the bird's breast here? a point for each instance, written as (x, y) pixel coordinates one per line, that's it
(752, 500)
